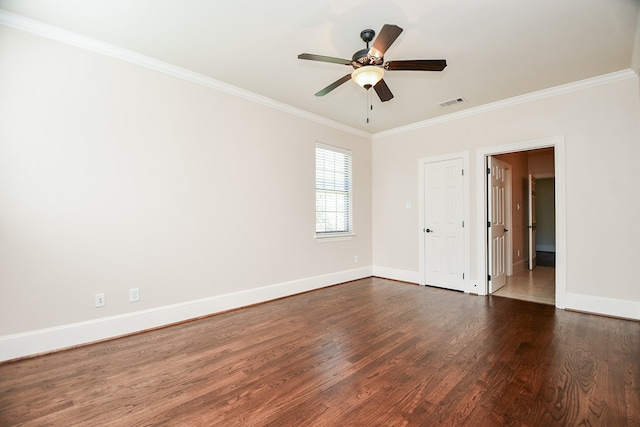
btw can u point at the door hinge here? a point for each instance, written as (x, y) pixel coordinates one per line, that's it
(488, 171)
(462, 224)
(462, 172)
(489, 224)
(462, 276)
(489, 277)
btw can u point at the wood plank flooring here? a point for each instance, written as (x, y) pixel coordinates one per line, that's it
(372, 352)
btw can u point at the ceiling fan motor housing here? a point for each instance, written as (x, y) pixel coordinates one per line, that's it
(361, 57)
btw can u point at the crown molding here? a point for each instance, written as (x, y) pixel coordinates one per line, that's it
(635, 57)
(521, 99)
(88, 43)
(74, 39)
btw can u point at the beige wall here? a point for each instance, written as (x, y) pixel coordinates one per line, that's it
(601, 128)
(114, 176)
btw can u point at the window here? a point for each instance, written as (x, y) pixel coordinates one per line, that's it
(333, 190)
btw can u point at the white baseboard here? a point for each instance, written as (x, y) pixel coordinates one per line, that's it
(600, 305)
(65, 336)
(518, 266)
(397, 274)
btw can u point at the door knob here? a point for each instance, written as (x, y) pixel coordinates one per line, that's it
(428, 230)
(505, 230)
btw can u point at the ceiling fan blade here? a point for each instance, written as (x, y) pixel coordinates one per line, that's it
(334, 85)
(312, 57)
(387, 36)
(416, 65)
(383, 91)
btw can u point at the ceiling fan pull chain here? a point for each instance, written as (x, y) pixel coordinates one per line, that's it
(370, 95)
(367, 106)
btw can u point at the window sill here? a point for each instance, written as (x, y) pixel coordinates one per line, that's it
(334, 237)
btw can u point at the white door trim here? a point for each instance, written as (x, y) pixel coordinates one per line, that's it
(558, 143)
(466, 213)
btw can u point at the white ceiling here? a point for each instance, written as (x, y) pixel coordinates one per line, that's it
(495, 49)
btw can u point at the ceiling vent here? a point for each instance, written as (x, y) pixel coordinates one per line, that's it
(451, 102)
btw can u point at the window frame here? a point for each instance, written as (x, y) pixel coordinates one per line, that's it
(343, 234)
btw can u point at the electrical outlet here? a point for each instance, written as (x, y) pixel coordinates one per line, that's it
(101, 300)
(134, 294)
(356, 259)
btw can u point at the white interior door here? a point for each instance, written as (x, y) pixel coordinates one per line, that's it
(443, 216)
(532, 222)
(497, 227)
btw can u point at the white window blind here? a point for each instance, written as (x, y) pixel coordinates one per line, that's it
(333, 190)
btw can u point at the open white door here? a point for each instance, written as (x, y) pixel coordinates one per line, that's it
(532, 222)
(443, 216)
(496, 191)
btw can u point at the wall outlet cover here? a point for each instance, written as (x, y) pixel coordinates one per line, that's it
(101, 300)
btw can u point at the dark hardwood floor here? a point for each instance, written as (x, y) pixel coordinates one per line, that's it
(372, 352)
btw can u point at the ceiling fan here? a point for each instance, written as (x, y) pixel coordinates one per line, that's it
(369, 66)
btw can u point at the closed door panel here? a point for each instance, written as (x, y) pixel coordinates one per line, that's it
(443, 233)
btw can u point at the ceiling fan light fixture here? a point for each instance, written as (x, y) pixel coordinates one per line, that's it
(367, 76)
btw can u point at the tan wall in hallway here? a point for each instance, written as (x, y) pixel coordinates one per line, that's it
(519, 167)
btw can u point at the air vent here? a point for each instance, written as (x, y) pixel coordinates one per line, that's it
(451, 102)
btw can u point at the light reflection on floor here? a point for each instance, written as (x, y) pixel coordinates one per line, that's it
(537, 285)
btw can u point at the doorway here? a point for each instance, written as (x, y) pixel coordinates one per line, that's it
(517, 194)
(545, 213)
(526, 157)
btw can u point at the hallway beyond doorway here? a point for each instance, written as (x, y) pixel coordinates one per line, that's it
(537, 285)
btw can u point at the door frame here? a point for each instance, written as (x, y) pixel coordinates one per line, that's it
(558, 144)
(531, 221)
(466, 213)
